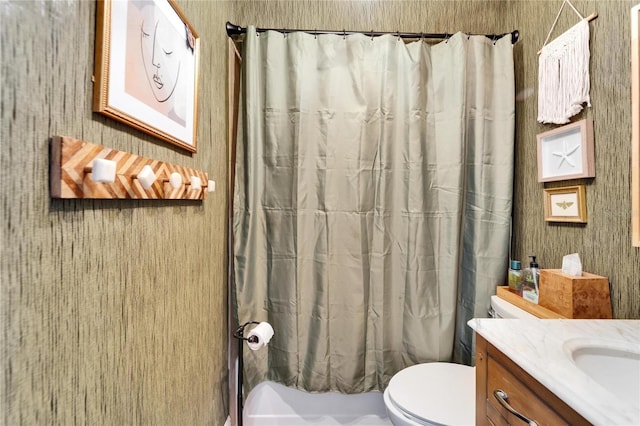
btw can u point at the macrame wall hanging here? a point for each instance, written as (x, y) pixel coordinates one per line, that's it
(563, 72)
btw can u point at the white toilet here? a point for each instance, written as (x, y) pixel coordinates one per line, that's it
(439, 393)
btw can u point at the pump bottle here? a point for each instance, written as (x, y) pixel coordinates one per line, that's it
(530, 286)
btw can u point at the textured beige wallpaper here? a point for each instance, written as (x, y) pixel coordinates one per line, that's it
(604, 243)
(113, 312)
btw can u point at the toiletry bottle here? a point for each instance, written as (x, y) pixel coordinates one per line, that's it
(531, 276)
(515, 277)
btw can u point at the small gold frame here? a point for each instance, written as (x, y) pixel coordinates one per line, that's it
(565, 204)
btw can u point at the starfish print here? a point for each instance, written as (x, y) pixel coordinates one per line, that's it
(564, 155)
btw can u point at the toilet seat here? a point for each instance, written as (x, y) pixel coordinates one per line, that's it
(435, 393)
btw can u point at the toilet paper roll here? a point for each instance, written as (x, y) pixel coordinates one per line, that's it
(103, 170)
(146, 177)
(259, 336)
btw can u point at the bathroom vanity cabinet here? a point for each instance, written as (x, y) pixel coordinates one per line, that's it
(496, 372)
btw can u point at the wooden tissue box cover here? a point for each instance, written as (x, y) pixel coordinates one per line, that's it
(575, 297)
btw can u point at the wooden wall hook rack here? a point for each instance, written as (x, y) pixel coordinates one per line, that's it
(70, 157)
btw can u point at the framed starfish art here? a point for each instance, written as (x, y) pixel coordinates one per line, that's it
(566, 204)
(566, 152)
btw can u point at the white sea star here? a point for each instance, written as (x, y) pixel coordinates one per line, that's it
(564, 155)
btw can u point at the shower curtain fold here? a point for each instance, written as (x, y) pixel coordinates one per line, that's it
(372, 202)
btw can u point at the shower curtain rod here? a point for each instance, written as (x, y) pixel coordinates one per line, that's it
(233, 29)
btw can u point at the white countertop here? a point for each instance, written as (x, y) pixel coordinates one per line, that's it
(538, 347)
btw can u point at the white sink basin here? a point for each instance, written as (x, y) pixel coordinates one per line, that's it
(614, 365)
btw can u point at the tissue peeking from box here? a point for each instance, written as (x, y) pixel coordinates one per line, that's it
(571, 265)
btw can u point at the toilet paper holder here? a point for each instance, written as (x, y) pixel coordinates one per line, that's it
(239, 334)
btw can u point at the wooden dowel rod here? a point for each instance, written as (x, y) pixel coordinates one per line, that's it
(589, 18)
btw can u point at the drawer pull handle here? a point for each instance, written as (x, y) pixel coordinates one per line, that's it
(503, 398)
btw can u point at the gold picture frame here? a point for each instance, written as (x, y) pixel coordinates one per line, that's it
(566, 152)
(565, 204)
(635, 126)
(146, 68)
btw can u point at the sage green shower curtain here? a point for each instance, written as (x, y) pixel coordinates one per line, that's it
(372, 202)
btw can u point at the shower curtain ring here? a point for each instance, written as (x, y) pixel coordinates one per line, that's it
(344, 34)
(446, 38)
(371, 34)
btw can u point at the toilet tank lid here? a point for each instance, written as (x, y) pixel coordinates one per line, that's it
(504, 309)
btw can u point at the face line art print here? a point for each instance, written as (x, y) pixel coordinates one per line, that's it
(156, 50)
(159, 56)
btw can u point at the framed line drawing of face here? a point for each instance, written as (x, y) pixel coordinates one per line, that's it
(566, 152)
(146, 68)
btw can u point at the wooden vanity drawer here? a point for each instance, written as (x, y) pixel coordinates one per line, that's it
(520, 398)
(494, 370)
